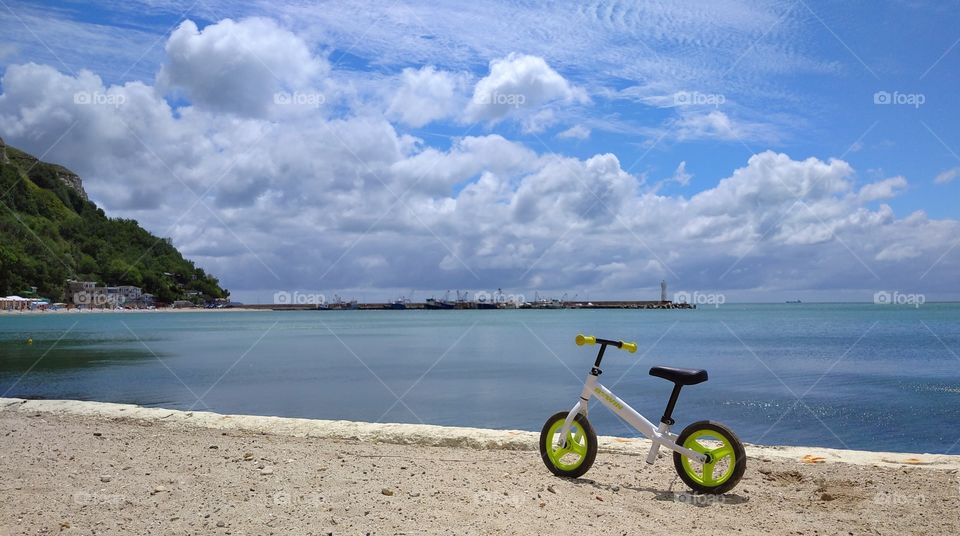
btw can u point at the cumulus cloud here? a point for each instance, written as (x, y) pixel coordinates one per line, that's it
(237, 66)
(516, 82)
(313, 201)
(884, 189)
(426, 95)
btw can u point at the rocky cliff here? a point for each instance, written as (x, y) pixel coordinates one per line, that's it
(28, 161)
(50, 232)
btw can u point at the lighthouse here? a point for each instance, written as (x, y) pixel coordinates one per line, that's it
(663, 291)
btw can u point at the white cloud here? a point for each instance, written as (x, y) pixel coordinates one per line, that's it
(884, 189)
(237, 66)
(716, 125)
(661, 44)
(426, 95)
(680, 175)
(516, 82)
(300, 194)
(576, 132)
(946, 176)
(898, 252)
(538, 122)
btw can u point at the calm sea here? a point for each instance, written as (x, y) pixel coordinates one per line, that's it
(874, 377)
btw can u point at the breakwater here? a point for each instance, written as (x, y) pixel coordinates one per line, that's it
(395, 306)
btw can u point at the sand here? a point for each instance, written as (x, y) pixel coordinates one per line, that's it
(91, 468)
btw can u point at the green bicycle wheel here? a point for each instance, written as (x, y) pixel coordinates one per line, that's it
(727, 458)
(575, 458)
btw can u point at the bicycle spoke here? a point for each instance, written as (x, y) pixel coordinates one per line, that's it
(697, 447)
(721, 452)
(577, 447)
(708, 474)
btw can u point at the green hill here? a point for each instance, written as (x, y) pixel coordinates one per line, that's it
(51, 232)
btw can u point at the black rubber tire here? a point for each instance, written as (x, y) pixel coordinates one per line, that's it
(591, 438)
(740, 465)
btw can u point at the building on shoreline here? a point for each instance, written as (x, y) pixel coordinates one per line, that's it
(18, 303)
(88, 294)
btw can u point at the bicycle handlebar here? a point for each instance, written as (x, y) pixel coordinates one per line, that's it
(590, 339)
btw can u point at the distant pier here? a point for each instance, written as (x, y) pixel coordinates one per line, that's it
(392, 306)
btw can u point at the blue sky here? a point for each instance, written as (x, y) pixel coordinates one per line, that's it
(681, 96)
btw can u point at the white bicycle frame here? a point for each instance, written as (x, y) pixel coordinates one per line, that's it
(660, 435)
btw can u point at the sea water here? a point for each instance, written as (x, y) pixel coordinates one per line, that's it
(872, 377)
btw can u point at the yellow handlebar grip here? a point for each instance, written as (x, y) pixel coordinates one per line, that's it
(585, 339)
(629, 346)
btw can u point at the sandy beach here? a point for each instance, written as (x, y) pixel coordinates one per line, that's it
(93, 468)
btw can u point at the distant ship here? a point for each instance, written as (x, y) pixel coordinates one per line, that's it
(433, 303)
(545, 303)
(339, 304)
(398, 304)
(794, 301)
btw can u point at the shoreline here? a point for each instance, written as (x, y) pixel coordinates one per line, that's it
(96, 468)
(430, 435)
(129, 311)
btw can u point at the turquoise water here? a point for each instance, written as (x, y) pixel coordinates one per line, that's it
(871, 377)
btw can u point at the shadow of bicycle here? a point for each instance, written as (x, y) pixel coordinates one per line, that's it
(686, 497)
